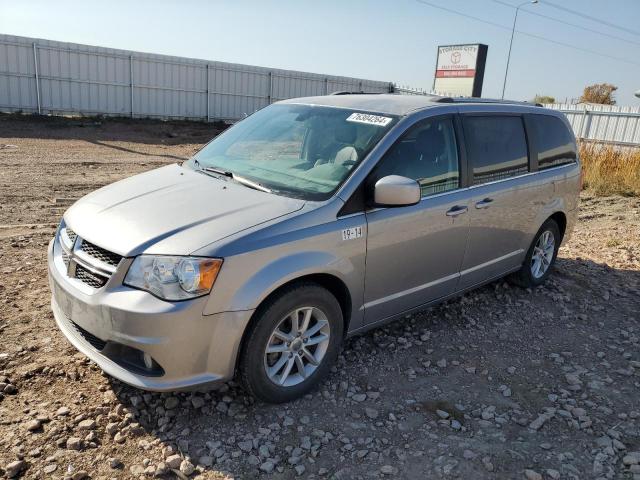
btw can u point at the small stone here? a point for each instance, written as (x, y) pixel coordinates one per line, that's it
(632, 458)
(197, 402)
(74, 443)
(112, 428)
(442, 363)
(87, 424)
(205, 461)
(572, 379)
(359, 397)
(34, 425)
(10, 389)
(267, 466)
(388, 470)
(468, 454)
(372, 413)
(187, 467)
(532, 475)
(14, 468)
(442, 414)
(50, 468)
(246, 446)
(174, 461)
(115, 463)
(171, 402)
(80, 475)
(62, 412)
(136, 470)
(554, 474)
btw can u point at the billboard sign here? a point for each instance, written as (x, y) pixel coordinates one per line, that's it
(460, 70)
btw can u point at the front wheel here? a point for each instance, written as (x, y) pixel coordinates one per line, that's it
(292, 344)
(540, 257)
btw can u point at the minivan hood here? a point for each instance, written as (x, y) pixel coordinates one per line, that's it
(171, 211)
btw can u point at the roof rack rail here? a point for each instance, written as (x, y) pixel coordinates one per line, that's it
(340, 92)
(483, 100)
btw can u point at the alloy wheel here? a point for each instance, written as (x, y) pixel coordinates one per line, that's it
(297, 346)
(542, 254)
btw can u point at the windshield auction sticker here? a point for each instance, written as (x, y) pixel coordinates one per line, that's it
(369, 119)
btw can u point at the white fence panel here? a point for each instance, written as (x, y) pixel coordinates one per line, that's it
(603, 123)
(45, 76)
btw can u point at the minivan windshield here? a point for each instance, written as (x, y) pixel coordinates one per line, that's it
(302, 151)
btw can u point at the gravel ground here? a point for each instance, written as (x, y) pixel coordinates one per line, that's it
(500, 383)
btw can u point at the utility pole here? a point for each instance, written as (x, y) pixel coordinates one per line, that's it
(513, 31)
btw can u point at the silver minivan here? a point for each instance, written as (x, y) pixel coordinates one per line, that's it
(311, 220)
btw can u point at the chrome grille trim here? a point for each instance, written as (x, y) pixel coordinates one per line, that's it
(85, 262)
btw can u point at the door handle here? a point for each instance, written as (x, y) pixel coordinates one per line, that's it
(457, 210)
(484, 203)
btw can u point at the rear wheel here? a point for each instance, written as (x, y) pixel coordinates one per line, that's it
(540, 257)
(293, 343)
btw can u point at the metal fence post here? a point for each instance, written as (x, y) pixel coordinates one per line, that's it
(270, 95)
(587, 124)
(326, 86)
(207, 92)
(35, 64)
(131, 81)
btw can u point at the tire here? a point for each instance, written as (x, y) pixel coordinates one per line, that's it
(298, 301)
(529, 276)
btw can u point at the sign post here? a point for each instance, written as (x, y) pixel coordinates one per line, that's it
(460, 70)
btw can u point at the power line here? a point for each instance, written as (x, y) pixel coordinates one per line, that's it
(527, 34)
(582, 27)
(589, 17)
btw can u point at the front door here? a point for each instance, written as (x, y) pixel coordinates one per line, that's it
(414, 253)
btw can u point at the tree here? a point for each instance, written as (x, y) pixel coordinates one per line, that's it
(543, 99)
(599, 93)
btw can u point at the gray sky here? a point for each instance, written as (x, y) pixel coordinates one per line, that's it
(391, 40)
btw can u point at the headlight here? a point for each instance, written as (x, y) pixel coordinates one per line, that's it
(173, 278)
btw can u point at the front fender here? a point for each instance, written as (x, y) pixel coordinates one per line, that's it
(283, 270)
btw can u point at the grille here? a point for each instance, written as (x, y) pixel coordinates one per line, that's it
(71, 235)
(90, 278)
(101, 254)
(89, 337)
(65, 258)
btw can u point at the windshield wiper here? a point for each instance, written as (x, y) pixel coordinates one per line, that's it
(238, 178)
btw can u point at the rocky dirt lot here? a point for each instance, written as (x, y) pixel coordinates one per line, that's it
(501, 383)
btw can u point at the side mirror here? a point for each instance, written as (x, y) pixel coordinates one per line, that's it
(396, 191)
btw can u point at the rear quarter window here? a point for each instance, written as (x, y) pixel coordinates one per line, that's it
(554, 141)
(497, 147)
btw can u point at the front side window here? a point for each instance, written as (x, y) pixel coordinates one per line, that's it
(428, 153)
(553, 140)
(497, 147)
(302, 151)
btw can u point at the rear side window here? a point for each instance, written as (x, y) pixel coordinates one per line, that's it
(497, 147)
(554, 141)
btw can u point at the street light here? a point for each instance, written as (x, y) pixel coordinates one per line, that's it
(637, 94)
(513, 30)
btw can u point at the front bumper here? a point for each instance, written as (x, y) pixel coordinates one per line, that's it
(192, 349)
